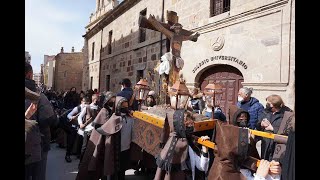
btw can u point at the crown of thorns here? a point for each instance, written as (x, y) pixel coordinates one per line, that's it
(176, 25)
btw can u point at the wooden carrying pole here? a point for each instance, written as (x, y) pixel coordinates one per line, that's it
(276, 137)
(159, 121)
(213, 146)
(206, 143)
(205, 125)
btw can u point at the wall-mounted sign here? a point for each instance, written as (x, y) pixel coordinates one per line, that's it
(219, 58)
(217, 43)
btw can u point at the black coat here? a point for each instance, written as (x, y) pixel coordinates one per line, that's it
(45, 116)
(268, 145)
(71, 100)
(127, 93)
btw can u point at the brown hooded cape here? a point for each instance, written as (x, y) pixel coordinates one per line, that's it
(112, 143)
(232, 145)
(93, 162)
(286, 126)
(174, 168)
(234, 112)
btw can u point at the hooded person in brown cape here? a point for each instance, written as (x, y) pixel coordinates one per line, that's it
(233, 147)
(232, 144)
(91, 167)
(117, 132)
(179, 157)
(239, 117)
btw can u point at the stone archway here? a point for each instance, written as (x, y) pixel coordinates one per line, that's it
(229, 77)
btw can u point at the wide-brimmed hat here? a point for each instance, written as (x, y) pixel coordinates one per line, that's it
(106, 96)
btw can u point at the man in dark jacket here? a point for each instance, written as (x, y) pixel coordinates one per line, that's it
(250, 104)
(72, 99)
(127, 92)
(45, 117)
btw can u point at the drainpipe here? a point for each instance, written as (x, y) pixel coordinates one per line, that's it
(100, 61)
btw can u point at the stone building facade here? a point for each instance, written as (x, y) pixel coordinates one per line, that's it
(91, 63)
(37, 78)
(48, 70)
(68, 70)
(241, 43)
(118, 50)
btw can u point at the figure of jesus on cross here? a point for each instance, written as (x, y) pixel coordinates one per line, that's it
(172, 62)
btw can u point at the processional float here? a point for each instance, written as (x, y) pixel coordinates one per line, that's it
(151, 125)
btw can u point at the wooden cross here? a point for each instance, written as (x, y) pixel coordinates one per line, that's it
(175, 36)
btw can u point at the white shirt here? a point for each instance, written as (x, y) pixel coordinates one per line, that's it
(202, 163)
(75, 111)
(89, 127)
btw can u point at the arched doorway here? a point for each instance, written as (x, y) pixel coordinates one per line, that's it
(229, 77)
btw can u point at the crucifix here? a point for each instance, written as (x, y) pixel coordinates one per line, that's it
(172, 62)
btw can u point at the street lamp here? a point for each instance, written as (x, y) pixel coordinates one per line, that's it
(141, 91)
(179, 95)
(211, 90)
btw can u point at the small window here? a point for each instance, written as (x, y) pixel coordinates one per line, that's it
(91, 81)
(139, 75)
(219, 6)
(92, 52)
(108, 83)
(142, 31)
(109, 43)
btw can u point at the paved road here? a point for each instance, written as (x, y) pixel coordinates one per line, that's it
(59, 169)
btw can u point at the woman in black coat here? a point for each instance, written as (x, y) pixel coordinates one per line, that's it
(269, 121)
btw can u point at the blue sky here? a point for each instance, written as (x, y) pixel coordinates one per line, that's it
(52, 24)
